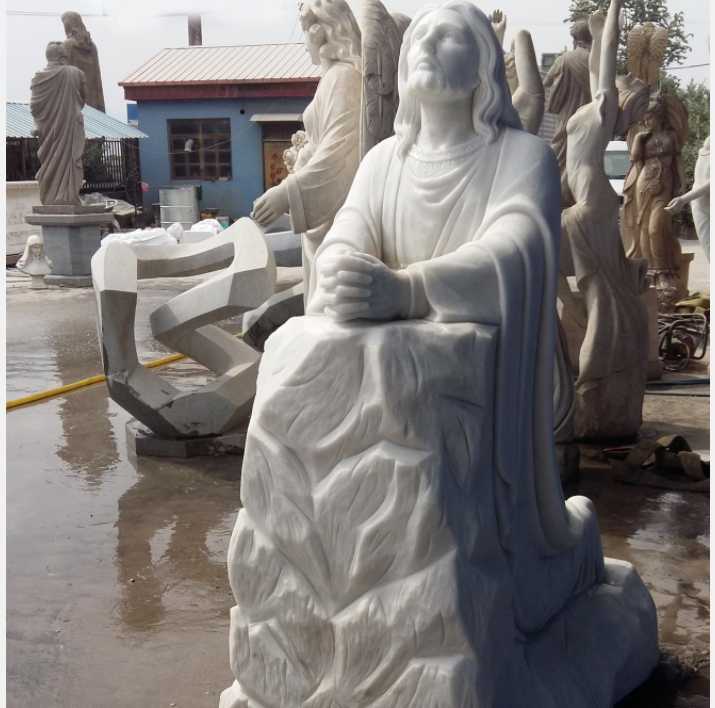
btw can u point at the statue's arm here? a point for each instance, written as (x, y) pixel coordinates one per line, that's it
(609, 48)
(318, 188)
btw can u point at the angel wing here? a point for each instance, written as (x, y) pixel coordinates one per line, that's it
(381, 41)
(676, 115)
(645, 47)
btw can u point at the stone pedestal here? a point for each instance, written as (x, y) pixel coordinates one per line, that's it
(143, 443)
(72, 234)
(368, 558)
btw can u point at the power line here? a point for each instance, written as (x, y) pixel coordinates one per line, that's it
(687, 66)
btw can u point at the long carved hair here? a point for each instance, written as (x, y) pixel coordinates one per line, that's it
(491, 101)
(341, 28)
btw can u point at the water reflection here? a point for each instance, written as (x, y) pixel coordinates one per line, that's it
(173, 528)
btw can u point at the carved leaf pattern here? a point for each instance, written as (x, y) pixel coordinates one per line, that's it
(347, 525)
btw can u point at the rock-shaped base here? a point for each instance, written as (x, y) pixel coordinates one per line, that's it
(367, 560)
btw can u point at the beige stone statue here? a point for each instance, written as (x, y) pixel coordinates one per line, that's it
(82, 53)
(568, 81)
(57, 98)
(297, 143)
(654, 178)
(317, 188)
(614, 354)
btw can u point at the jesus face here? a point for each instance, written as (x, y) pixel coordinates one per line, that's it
(442, 59)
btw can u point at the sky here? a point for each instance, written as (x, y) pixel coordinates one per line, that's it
(129, 32)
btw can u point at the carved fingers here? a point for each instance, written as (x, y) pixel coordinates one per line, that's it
(270, 206)
(358, 285)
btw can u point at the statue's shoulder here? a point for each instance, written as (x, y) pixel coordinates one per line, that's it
(344, 74)
(525, 148)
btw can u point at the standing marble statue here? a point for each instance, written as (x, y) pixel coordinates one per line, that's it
(653, 179)
(403, 539)
(614, 354)
(698, 198)
(82, 53)
(317, 188)
(57, 99)
(569, 89)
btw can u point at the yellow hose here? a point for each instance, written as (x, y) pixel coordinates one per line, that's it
(82, 383)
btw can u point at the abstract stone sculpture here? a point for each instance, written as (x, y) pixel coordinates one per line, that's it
(568, 81)
(57, 99)
(403, 540)
(34, 262)
(317, 188)
(698, 198)
(82, 53)
(614, 354)
(654, 178)
(185, 324)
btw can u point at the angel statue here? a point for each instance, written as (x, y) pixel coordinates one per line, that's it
(403, 538)
(381, 40)
(654, 178)
(645, 49)
(614, 353)
(326, 165)
(523, 75)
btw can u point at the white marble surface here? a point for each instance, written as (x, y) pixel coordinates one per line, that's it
(403, 538)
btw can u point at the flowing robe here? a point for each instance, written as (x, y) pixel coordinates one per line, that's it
(57, 99)
(701, 206)
(327, 163)
(477, 229)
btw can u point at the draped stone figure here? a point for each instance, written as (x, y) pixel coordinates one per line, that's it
(316, 189)
(82, 53)
(568, 81)
(57, 99)
(403, 539)
(653, 179)
(698, 198)
(614, 354)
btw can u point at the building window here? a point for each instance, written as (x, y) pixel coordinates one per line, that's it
(200, 148)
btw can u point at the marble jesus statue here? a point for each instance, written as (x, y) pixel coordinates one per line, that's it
(404, 540)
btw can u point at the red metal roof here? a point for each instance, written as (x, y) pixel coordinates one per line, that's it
(258, 63)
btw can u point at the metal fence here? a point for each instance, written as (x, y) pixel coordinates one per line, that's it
(110, 166)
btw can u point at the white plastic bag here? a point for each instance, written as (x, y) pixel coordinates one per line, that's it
(176, 230)
(142, 237)
(208, 225)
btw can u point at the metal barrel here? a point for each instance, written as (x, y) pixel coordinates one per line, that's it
(179, 204)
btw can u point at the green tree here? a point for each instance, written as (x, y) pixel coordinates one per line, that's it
(638, 12)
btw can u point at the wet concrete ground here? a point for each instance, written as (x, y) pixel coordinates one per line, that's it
(117, 592)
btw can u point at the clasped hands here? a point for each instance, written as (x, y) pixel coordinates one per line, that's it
(355, 286)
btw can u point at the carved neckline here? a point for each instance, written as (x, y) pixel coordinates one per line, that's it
(449, 154)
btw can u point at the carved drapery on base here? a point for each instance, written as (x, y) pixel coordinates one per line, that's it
(367, 562)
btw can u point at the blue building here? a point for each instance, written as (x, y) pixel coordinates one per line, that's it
(220, 118)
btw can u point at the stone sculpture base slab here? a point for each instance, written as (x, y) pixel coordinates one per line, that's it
(71, 238)
(143, 443)
(69, 281)
(70, 209)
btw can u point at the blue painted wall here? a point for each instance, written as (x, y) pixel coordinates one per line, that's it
(234, 197)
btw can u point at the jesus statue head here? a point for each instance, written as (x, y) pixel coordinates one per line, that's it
(451, 55)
